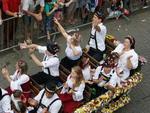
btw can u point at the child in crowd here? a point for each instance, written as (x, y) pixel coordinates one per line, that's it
(59, 11)
(50, 7)
(115, 11)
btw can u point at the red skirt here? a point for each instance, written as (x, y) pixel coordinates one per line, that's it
(69, 105)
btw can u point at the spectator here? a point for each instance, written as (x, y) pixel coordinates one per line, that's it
(96, 44)
(70, 10)
(33, 8)
(59, 12)
(115, 11)
(72, 92)
(73, 50)
(50, 7)
(10, 9)
(5, 102)
(83, 10)
(49, 64)
(1, 21)
(92, 4)
(46, 101)
(19, 80)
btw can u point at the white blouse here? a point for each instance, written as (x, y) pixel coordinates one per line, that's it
(122, 63)
(69, 52)
(51, 62)
(100, 37)
(78, 94)
(87, 73)
(54, 108)
(17, 80)
(5, 103)
(115, 80)
(98, 71)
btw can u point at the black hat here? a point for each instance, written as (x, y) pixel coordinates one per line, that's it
(52, 47)
(0, 92)
(106, 64)
(50, 87)
(100, 14)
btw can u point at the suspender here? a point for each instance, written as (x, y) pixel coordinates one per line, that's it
(93, 37)
(52, 103)
(95, 40)
(105, 77)
(40, 102)
(48, 67)
(3, 96)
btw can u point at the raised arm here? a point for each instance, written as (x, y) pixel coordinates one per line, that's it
(28, 46)
(61, 29)
(53, 10)
(68, 3)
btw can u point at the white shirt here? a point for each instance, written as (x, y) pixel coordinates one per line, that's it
(18, 80)
(69, 52)
(51, 62)
(5, 106)
(78, 94)
(114, 80)
(54, 108)
(122, 63)
(98, 71)
(29, 5)
(87, 73)
(100, 37)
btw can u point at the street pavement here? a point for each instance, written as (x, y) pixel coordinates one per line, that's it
(138, 26)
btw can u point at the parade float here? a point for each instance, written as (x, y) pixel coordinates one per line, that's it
(110, 101)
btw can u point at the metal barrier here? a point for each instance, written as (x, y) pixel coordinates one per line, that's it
(14, 30)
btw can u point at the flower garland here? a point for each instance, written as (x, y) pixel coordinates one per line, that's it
(113, 106)
(103, 100)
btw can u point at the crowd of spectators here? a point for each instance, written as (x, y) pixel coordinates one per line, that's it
(41, 12)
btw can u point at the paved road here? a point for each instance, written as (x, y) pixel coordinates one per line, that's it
(138, 26)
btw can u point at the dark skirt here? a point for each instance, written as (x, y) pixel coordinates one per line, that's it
(42, 78)
(68, 63)
(96, 54)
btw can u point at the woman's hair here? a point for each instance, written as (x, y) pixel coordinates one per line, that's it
(17, 102)
(79, 77)
(21, 107)
(23, 66)
(100, 15)
(17, 94)
(48, 0)
(83, 62)
(110, 60)
(76, 39)
(132, 41)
